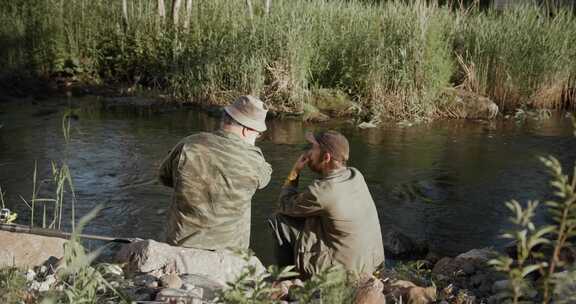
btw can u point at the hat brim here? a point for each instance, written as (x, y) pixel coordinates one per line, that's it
(242, 119)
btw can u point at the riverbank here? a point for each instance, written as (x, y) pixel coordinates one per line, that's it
(145, 270)
(392, 60)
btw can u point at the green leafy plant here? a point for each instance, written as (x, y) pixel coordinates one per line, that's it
(532, 242)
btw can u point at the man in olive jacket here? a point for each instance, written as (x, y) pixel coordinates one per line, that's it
(334, 220)
(214, 176)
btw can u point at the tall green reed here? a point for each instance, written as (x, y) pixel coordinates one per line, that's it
(392, 57)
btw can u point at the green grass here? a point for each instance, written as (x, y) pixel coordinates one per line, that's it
(391, 58)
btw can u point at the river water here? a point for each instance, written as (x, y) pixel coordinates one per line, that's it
(442, 183)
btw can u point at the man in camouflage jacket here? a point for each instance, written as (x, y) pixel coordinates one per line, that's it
(214, 176)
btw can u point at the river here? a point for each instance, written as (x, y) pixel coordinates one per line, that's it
(442, 183)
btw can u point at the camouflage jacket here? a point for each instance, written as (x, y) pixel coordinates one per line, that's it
(214, 176)
(341, 224)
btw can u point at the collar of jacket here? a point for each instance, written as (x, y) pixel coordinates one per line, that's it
(336, 173)
(229, 135)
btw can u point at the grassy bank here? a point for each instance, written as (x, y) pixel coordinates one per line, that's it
(390, 58)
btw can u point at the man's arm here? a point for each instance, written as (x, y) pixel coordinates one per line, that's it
(296, 204)
(166, 172)
(264, 175)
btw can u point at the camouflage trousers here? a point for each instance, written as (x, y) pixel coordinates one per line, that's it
(286, 231)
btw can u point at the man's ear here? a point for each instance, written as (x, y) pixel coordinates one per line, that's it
(327, 157)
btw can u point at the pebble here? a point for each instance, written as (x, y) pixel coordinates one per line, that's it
(171, 280)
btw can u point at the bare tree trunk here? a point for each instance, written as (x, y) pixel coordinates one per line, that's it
(125, 14)
(176, 12)
(249, 10)
(188, 14)
(161, 10)
(267, 7)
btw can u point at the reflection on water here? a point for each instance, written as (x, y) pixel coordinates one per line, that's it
(443, 183)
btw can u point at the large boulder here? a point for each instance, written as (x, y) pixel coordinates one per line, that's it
(399, 245)
(28, 250)
(458, 103)
(158, 259)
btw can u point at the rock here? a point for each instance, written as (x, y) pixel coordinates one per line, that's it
(369, 291)
(27, 250)
(146, 280)
(179, 296)
(465, 104)
(397, 245)
(410, 293)
(30, 275)
(210, 288)
(421, 295)
(367, 125)
(171, 280)
(138, 294)
(158, 259)
(500, 286)
(478, 279)
(44, 285)
(480, 255)
(468, 268)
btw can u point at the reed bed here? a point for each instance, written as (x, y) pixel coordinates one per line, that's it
(390, 57)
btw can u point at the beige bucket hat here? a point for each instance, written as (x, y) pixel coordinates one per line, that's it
(248, 111)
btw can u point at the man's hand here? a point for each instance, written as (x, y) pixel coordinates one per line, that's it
(293, 176)
(301, 163)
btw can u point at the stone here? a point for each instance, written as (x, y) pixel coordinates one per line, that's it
(24, 250)
(179, 296)
(410, 293)
(171, 280)
(468, 268)
(158, 259)
(500, 286)
(479, 255)
(478, 279)
(369, 291)
(44, 285)
(421, 295)
(145, 280)
(396, 245)
(30, 275)
(209, 287)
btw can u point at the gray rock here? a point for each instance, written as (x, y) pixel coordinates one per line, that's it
(145, 280)
(500, 286)
(478, 279)
(44, 285)
(396, 244)
(26, 250)
(468, 268)
(480, 255)
(30, 275)
(158, 259)
(209, 287)
(171, 280)
(179, 296)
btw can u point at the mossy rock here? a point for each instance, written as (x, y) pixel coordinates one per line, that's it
(333, 102)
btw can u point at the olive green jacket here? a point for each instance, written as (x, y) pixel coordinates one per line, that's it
(341, 223)
(214, 176)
